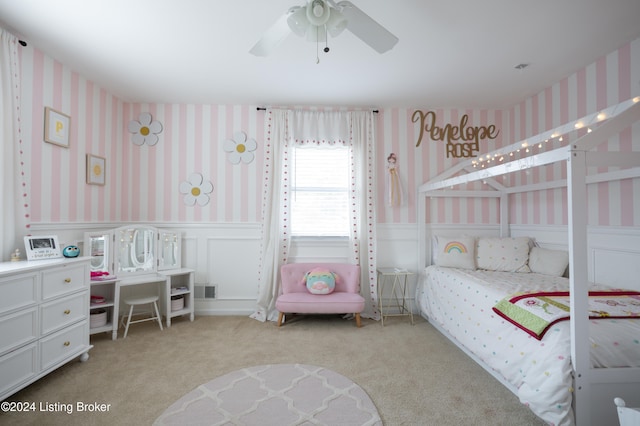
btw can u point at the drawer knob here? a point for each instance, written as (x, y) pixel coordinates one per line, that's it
(67, 280)
(67, 343)
(67, 311)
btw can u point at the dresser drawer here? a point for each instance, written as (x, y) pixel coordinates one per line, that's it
(18, 292)
(18, 367)
(62, 312)
(62, 280)
(64, 344)
(18, 329)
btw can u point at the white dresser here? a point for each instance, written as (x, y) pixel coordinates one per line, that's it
(44, 319)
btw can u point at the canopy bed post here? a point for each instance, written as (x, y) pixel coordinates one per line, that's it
(504, 214)
(578, 385)
(580, 350)
(424, 252)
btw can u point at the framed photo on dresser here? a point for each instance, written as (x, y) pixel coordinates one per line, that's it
(42, 247)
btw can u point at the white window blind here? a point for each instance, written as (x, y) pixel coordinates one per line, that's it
(320, 191)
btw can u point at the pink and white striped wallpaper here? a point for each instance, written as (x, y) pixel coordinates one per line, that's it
(398, 134)
(142, 181)
(56, 176)
(610, 80)
(191, 142)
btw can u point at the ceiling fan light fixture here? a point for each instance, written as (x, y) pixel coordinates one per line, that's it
(297, 20)
(318, 9)
(317, 34)
(336, 23)
(317, 18)
(318, 12)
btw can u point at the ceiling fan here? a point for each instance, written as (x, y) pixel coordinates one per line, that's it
(317, 18)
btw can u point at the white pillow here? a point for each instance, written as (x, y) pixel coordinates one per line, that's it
(503, 254)
(456, 252)
(548, 262)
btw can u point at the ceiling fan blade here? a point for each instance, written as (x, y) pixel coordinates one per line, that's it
(272, 37)
(366, 29)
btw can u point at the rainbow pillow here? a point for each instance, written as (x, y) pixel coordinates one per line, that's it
(456, 252)
(320, 281)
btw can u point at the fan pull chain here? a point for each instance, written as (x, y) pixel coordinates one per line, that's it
(326, 42)
(326, 39)
(317, 46)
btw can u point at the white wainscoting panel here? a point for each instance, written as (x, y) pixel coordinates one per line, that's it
(548, 236)
(618, 268)
(226, 255)
(227, 258)
(189, 256)
(398, 248)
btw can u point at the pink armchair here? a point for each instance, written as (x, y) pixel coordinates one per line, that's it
(295, 298)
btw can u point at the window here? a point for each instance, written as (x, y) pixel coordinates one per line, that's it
(320, 191)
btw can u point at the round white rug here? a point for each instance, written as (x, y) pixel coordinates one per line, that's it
(280, 394)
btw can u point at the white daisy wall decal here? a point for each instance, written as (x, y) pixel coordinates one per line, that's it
(240, 148)
(145, 130)
(196, 190)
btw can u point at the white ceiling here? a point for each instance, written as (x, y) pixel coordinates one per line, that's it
(451, 53)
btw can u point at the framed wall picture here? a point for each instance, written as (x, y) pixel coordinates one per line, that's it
(96, 170)
(42, 247)
(57, 127)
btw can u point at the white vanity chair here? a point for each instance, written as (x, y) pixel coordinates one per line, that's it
(132, 303)
(141, 266)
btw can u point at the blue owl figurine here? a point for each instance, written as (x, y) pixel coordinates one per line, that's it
(70, 251)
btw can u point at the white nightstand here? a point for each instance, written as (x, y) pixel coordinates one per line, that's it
(398, 278)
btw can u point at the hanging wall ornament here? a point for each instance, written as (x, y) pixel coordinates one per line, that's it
(394, 187)
(240, 148)
(196, 190)
(145, 130)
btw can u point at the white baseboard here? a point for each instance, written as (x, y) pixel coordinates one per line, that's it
(223, 312)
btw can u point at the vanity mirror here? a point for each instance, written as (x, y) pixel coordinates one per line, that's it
(134, 249)
(169, 254)
(98, 246)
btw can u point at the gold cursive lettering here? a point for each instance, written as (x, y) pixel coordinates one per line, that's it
(469, 135)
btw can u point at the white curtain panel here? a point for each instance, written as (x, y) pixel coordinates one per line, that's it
(275, 243)
(10, 196)
(354, 129)
(363, 220)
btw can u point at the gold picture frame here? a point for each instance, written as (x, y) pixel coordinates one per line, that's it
(96, 170)
(57, 127)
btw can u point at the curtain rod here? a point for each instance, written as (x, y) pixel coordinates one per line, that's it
(375, 111)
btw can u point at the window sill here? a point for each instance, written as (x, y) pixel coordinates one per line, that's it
(307, 239)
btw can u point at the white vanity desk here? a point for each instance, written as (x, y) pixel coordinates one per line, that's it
(141, 256)
(166, 281)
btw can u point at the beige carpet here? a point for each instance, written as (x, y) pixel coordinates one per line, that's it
(275, 395)
(413, 375)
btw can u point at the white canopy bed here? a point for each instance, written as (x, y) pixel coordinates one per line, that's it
(592, 383)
